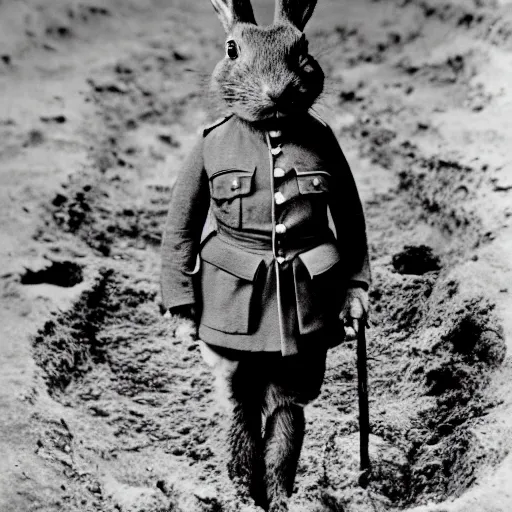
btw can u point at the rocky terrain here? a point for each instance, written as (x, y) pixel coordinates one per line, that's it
(105, 405)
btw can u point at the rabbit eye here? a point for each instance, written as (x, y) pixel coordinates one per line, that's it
(231, 49)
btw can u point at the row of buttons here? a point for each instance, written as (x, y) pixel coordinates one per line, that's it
(275, 134)
(279, 198)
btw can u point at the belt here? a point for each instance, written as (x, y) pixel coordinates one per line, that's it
(262, 244)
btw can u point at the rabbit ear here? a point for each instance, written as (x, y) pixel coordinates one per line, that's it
(296, 12)
(233, 11)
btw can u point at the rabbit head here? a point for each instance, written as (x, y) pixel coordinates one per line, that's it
(266, 72)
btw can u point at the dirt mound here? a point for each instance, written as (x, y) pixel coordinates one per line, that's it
(115, 360)
(430, 366)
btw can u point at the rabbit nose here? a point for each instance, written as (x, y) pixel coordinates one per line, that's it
(273, 94)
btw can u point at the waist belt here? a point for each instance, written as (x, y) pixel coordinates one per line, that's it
(262, 244)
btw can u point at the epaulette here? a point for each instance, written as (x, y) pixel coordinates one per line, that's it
(313, 114)
(217, 122)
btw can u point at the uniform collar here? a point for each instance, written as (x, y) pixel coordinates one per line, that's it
(283, 124)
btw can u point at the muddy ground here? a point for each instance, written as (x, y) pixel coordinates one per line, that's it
(103, 407)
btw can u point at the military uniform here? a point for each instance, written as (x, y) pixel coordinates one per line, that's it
(274, 215)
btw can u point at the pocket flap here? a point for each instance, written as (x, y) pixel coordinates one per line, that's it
(312, 182)
(230, 183)
(320, 259)
(231, 259)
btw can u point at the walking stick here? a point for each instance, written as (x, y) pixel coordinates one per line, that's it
(364, 414)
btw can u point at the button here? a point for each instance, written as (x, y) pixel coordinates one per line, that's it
(276, 151)
(235, 184)
(275, 133)
(316, 182)
(278, 172)
(280, 229)
(280, 260)
(280, 199)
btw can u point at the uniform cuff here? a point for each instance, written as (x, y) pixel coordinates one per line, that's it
(178, 302)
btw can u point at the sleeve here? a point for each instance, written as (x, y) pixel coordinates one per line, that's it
(188, 210)
(348, 218)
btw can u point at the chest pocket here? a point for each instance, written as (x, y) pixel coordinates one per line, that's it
(313, 182)
(303, 183)
(227, 188)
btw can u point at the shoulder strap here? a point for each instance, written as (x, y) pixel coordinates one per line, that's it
(217, 122)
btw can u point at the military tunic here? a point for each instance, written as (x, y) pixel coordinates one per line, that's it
(274, 215)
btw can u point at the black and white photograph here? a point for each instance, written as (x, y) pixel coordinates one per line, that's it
(255, 255)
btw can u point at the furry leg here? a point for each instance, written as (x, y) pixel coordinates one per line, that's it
(246, 466)
(284, 435)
